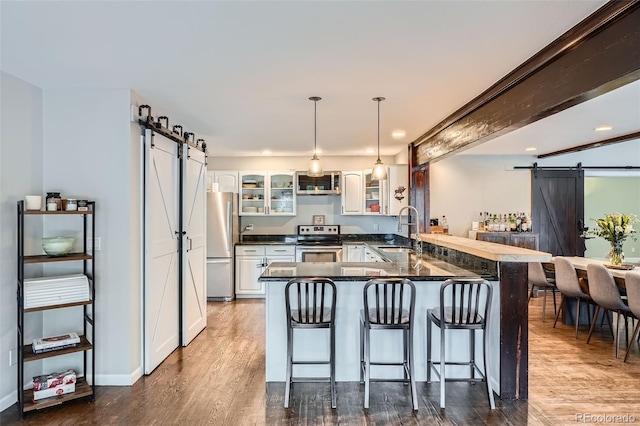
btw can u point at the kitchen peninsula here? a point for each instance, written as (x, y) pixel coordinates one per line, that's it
(444, 257)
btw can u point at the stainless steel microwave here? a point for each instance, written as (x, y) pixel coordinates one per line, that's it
(324, 185)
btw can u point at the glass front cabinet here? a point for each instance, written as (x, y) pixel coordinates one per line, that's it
(267, 193)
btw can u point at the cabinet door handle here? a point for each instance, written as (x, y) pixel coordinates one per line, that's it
(280, 250)
(249, 251)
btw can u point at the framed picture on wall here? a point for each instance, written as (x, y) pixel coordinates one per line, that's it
(318, 219)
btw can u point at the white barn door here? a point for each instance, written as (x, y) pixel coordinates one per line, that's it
(194, 280)
(161, 272)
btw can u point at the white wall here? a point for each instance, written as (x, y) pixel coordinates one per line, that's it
(88, 154)
(20, 174)
(294, 163)
(464, 185)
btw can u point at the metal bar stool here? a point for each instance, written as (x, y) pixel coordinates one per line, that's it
(311, 304)
(469, 305)
(388, 305)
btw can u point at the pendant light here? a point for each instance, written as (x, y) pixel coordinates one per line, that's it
(379, 170)
(315, 168)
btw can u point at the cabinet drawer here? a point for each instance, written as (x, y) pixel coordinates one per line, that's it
(250, 250)
(281, 250)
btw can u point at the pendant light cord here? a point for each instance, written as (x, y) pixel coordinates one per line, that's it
(315, 125)
(379, 99)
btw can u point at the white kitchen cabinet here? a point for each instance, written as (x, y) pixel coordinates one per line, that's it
(267, 193)
(352, 186)
(353, 253)
(252, 260)
(227, 180)
(397, 197)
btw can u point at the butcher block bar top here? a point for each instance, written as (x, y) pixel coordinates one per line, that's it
(486, 250)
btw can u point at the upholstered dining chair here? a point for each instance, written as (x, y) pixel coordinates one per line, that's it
(567, 283)
(605, 293)
(538, 279)
(632, 284)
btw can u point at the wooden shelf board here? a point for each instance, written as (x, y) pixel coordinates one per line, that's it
(43, 258)
(84, 345)
(63, 305)
(44, 212)
(83, 389)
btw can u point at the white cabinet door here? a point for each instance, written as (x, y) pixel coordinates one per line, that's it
(248, 270)
(194, 256)
(355, 253)
(282, 194)
(352, 200)
(254, 192)
(397, 189)
(374, 195)
(227, 180)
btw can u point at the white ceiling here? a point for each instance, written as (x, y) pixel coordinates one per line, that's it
(239, 73)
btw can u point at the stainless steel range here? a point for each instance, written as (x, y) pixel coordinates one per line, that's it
(319, 243)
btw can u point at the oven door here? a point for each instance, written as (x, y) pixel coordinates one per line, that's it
(319, 254)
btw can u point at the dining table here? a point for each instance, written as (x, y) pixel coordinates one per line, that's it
(580, 263)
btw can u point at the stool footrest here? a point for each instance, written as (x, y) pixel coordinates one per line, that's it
(310, 379)
(310, 362)
(388, 363)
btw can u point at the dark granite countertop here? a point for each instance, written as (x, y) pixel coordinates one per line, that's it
(427, 269)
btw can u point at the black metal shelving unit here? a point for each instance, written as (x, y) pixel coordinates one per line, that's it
(87, 340)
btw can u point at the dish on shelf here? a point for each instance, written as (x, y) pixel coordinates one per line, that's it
(57, 246)
(249, 185)
(249, 209)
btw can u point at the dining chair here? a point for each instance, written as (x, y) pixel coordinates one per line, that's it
(465, 304)
(605, 293)
(632, 284)
(310, 304)
(538, 279)
(567, 283)
(389, 304)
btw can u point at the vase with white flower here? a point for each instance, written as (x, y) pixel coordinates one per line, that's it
(615, 228)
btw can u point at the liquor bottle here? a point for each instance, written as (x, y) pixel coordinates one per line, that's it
(512, 222)
(445, 225)
(518, 223)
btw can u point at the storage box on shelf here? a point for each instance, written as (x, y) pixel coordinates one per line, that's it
(61, 292)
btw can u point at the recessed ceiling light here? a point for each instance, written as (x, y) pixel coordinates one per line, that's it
(398, 134)
(370, 151)
(603, 128)
(266, 152)
(531, 148)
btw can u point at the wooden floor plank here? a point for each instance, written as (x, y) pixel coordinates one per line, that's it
(219, 380)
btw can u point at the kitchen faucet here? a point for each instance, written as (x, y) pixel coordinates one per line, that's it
(418, 241)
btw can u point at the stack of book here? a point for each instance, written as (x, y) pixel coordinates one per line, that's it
(54, 343)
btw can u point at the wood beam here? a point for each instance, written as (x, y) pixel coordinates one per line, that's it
(596, 56)
(591, 145)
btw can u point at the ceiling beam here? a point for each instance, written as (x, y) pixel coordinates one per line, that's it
(600, 54)
(591, 145)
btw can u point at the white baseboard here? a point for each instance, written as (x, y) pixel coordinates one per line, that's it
(8, 400)
(118, 379)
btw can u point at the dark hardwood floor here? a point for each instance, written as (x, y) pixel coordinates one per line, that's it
(219, 380)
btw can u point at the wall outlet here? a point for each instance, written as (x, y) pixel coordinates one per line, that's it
(13, 357)
(97, 241)
(376, 226)
(633, 249)
(249, 227)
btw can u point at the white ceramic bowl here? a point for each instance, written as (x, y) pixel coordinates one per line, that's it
(57, 246)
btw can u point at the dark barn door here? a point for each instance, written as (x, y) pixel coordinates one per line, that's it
(557, 203)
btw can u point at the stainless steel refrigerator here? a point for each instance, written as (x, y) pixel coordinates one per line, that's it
(222, 234)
